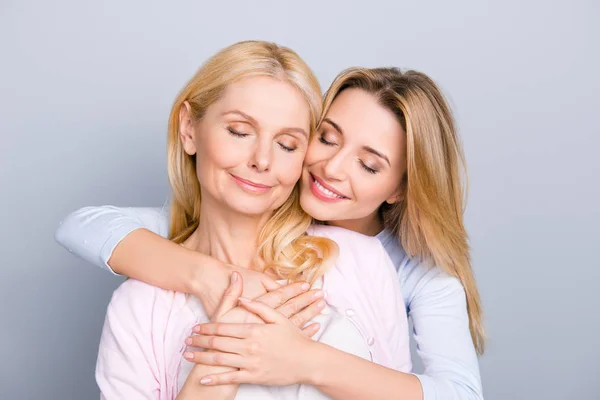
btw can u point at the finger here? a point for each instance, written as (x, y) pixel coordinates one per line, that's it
(278, 297)
(239, 331)
(220, 343)
(265, 312)
(312, 329)
(216, 358)
(269, 284)
(232, 293)
(295, 304)
(305, 315)
(227, 378)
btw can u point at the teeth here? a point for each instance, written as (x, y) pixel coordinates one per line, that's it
(327, 191)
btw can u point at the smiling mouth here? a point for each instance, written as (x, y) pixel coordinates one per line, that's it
(250, 186)
(323, 191)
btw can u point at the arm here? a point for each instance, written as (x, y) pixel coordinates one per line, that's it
(335, 373)
(438, 309)
(132, 336)
(345, 376)
(132, 242)
(226, 311)
(193, 389)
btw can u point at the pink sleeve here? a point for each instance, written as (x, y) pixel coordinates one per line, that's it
(132, 360)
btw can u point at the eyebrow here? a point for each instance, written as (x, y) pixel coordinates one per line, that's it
(365, 148)
(255, 122)
(378, 154)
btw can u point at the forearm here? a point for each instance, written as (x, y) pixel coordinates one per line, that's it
(150, 258)
(344, 376)
(193, 389)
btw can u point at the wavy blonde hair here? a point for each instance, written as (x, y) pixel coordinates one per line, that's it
(283, 245)
(429, 220)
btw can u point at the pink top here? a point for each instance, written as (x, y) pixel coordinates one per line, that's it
(142, 344)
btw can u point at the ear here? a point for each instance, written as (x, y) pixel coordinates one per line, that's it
(398, 194)
(395, 198)
(186, 129)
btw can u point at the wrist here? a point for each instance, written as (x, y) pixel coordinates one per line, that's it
(314, 364)
(197, 271)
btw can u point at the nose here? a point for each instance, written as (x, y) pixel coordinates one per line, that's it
(260, 160)
(335, 167)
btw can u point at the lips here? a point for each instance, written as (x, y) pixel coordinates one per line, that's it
(323, 191)
(250, 186)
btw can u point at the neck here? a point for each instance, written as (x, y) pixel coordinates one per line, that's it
(370, 225)
(228, 236)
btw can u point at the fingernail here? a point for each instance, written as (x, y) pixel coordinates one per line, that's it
(188, 355)
(244, 300)
(205, 381)
(234, 277)
(321, 304)
(305, 286)
(188, 341)
(196, 329)
(319, 293)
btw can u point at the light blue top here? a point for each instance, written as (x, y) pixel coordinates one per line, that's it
(435, 301)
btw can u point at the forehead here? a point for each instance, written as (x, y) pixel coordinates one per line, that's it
(365, 122)
(272, 102)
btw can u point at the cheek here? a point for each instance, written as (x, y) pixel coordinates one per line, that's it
(289, 168)
(371, 191)
(218, 151)
(316, 152)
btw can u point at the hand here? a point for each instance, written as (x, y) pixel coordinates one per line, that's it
(213, 279)
(291, 301)
(275, 353)
(226, 311)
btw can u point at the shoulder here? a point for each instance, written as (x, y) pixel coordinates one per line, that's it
(346, 238)
(419, 279)
(427, 284)
(140, 303)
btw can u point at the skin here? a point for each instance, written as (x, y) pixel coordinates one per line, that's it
(359, 154)
(262, 123)
(338, 157)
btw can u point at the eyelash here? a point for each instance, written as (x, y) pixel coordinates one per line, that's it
(242, 135)
(285, 148)
(236, 133)
(325, 142)
(362, 164)
(368, 169)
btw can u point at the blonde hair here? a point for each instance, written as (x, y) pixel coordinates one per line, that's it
(429, 220)
(283, 245)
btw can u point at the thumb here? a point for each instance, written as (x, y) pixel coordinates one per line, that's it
(269, 284)
(265, 312)
(231, 295)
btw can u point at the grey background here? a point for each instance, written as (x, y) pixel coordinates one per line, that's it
(85, 91)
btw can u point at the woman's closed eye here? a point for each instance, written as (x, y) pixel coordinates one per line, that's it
(289, 149)
(288, 143)
(370, 169)
(236, 133)
(327, 141)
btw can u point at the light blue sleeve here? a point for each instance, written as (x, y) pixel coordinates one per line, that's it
(437, 305)
(92, 233)
(438, 309)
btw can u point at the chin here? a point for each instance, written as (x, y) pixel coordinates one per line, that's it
(250, 208)
(315, 208)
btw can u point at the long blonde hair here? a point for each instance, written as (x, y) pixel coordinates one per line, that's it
(283, 245)
(429, 219)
